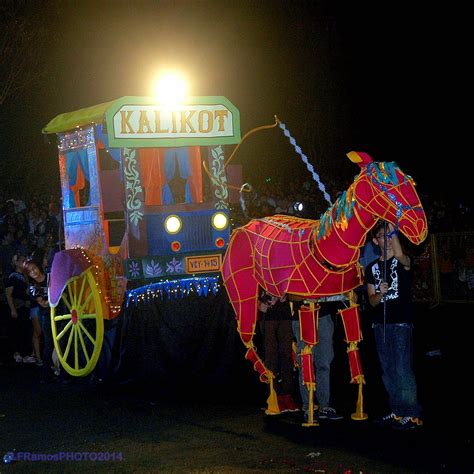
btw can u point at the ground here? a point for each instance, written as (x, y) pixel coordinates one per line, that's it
(195, 430)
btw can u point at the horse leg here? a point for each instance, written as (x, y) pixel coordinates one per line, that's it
(240, 283)
(242, 288)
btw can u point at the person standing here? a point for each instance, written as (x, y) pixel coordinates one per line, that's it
(275, 327)
(38, 291)
(389, 293)
(323, 355)
(19, 304)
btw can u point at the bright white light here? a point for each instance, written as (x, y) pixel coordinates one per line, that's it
(219, 221)
(171, 89)
(173, 224)
(298, 206)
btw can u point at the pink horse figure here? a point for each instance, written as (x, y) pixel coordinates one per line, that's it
(310, 259)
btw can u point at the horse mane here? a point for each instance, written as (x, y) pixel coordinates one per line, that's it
(339, 213)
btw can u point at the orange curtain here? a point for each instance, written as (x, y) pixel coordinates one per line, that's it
(80, 183)
(151, 175)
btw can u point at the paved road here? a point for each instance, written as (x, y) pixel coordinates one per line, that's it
(195, 428)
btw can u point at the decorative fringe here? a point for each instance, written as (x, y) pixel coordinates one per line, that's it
(272, 400)
(359, 414)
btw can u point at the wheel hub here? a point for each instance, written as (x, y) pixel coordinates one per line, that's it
(74, 316)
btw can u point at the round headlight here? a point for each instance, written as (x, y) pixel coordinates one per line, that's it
(173, 224)
(220, 221)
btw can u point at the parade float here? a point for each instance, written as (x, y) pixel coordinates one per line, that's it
(145, 196)
(145, 211)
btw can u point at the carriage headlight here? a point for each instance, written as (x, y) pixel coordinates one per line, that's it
(219, 221)
(173, 224)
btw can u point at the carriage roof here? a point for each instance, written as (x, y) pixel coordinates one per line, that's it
(78, 118)
(211, 120)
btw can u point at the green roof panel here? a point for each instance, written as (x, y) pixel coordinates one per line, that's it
(78, 118)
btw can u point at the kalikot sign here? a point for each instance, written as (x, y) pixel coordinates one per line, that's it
(202, 121)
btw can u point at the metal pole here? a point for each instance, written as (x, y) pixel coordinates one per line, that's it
(385, 242)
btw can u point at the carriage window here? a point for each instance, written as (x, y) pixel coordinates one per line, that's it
(77, 168)
(171, 175)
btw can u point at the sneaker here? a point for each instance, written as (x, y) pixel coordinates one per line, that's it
(29, 360)
(38, 363)
(387, 420)
(407, 423)
(17, 357)
(329, 413)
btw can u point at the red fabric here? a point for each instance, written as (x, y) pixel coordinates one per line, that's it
(308, 368)
(355, 365)
(80, 183)
(246, 326)
(152, 170)
(351, 320)
(289, 255)
(284, 261)
(151, 175)
(258, 366)
(309, 325)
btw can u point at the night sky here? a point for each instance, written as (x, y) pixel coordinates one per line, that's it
(358, 75)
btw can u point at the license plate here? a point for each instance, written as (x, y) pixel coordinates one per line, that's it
(203, 264)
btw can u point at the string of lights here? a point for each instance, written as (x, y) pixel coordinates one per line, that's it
(200, 286)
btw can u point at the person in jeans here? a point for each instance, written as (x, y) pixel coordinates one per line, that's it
(323, 355)
(389, 281)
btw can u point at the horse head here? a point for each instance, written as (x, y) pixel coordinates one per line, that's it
(386, 192)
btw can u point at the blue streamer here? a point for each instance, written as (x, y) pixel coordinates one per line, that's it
(305, 160)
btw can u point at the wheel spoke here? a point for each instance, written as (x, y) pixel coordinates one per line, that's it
(86, 301)
(77, 324)
(83, 285)
(86, 332)
(68, 347)
(76, 349)
(66, 302)
(74, 293)
(66, 328)
(89, 316)
(83, 345)
(62, 317)
(71, 296)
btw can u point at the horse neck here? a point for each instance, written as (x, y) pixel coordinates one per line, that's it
(341, 243)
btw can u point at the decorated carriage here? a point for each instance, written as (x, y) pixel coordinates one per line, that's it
(145, 209)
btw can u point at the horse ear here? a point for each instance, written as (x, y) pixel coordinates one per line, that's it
(359, 157)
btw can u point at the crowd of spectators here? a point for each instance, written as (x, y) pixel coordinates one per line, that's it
(305, 199)
(28, 227)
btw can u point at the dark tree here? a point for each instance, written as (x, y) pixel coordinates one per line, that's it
(22, 39)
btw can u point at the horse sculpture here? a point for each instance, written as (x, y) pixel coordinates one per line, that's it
(310, 259)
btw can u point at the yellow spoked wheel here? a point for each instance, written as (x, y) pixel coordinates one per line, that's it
(77, 325)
